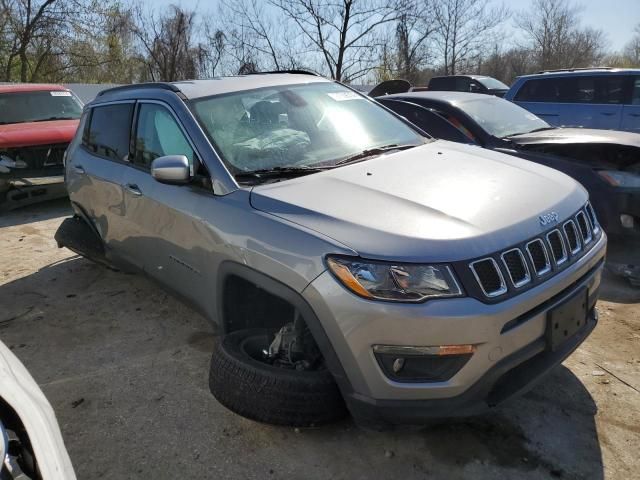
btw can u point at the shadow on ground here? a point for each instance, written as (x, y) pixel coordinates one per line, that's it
(36, 213)
(125, 368)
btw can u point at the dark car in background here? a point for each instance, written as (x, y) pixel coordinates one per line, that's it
(594, 98)
(468, 83)
(37, 122)
(607, 163)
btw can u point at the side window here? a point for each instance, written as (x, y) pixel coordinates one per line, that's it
(456, 122)
(463, 84)
(158, 134)
(429, 121)
(108, 131)
(635, 96)
(542, 90)
(610, 89)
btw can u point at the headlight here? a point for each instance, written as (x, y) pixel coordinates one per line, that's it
(620, 179)
(398, 282)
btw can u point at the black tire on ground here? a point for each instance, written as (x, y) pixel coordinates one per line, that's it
(267, 393)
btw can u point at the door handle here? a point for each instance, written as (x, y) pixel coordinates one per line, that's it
(78, 169)
(634, 114)
(133, 189)
(607, 114)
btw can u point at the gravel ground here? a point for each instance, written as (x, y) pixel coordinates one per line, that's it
(125, 367)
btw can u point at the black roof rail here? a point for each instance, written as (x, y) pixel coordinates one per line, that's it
(161, 85)
(294, 71)
(575, 69)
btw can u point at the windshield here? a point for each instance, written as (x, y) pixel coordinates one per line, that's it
(501, 118)
(492, 84)
(21, 107)
(309, 125)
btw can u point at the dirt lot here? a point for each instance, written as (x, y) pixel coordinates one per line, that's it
(125, 367)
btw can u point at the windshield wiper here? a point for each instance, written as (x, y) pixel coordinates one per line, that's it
(276, 172)
(369, 152)
(52, 118)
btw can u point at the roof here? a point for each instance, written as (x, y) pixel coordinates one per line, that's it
(582, 71)
(441, 96)
(204, 88)
(29, 87)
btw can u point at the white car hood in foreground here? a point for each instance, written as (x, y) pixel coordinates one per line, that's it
(438, 202)
(21, 392)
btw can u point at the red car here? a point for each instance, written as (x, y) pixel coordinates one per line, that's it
(37, 122)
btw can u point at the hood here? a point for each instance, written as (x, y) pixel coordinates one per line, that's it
(37, 133)
(438, 202)
(578, 135)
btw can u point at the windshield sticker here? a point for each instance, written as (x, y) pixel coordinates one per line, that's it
(342, 96)
(60, 94)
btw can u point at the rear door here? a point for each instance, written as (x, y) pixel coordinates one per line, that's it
(163, 236)
(95, 170)
(631, 111)
(596, 101)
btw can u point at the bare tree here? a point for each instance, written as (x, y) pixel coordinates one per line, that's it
(463, 29)
(632, 49)
(556, 38)
(344, 33)
(216, 45)
(414, 29)
(255, 33)
(30, 22)
(167, 41)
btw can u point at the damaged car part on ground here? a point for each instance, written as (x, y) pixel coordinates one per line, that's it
(605, 162)
(345, 258)
(30, 440)
(37, 122)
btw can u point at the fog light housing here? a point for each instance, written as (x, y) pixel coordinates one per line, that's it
(422, 364)
(627, 221)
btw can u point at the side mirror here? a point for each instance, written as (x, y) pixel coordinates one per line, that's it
(473, 88)
(172, 169)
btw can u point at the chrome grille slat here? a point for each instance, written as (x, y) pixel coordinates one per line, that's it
(483, 269)
(517, 268)
(591, 214)
(584, 227)
(556, 242)
(571, 235)
(546, 266)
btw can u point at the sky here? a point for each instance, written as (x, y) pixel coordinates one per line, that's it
(617, 18)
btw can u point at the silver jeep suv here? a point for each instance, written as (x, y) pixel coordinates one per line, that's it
(347, 261)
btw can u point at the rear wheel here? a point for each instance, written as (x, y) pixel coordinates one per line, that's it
(247, 380)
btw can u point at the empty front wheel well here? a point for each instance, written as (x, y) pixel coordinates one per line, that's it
(247, 305)
(250, 299)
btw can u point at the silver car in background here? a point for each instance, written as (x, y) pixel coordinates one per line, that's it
(345, 258)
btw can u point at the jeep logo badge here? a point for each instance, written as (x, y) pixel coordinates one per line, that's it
(548, 218)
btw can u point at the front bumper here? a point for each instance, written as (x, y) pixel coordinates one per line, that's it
(509, 337)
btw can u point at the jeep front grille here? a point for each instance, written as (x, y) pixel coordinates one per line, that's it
(539, 257)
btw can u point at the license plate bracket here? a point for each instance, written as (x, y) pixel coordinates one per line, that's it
(564, 320)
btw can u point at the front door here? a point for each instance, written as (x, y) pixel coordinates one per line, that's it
(165, 235)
